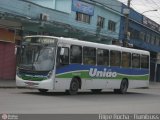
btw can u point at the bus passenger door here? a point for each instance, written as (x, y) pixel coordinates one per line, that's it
(62, 61)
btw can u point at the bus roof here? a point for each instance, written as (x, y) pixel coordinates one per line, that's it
(92, 44)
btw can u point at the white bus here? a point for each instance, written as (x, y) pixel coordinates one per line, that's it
(56, 63)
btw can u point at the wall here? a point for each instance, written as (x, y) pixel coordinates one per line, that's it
(45, 3)
(7, 61)
(64, 5)
(112, 4)
(60, 5)
(108, 15)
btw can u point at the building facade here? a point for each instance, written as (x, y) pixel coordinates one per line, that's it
(87, 20)
(143, 33)
(8, 38)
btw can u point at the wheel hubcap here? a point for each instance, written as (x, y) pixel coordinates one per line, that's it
(74, 86)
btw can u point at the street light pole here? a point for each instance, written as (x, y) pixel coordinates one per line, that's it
(126, 34)
(149, 11)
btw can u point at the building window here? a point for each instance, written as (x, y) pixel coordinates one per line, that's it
(142, 36)
(115, 58)
(135, 60)
(83, 17)
(100, 22)
(111, 25)
(157, 41)
(89, 55)
(145, 36)
(148, 37)
(152, 39)
(76, 54)
(136, 34)
(102, 57)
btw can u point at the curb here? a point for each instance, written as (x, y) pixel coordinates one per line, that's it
(12, 84)
(8, 84)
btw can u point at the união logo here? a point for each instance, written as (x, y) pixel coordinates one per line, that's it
(93, 72)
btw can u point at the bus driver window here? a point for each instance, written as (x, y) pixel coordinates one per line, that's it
(62, 56)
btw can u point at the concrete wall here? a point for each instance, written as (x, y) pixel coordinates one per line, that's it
(46, 3)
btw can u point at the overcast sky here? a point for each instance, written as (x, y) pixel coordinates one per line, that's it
(145, 5)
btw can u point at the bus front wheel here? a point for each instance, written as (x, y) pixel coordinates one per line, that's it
(123, 87)
(74, 85)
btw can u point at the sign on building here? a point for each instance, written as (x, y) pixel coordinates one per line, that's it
(151, 24)
(82, 7)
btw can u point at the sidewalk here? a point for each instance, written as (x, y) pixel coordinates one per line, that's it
(154, 85)
(12, 84)
(7, 83)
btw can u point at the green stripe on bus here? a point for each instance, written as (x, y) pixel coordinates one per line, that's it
(85, 74)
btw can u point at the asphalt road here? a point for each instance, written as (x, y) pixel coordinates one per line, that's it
(26, 101)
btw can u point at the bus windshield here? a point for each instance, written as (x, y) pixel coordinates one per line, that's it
(38, 54)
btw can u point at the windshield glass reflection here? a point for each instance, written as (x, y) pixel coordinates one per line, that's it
(38, 54)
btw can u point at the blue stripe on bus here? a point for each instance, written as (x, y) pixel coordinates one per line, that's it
(78, 67)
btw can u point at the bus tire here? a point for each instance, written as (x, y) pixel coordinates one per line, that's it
(123, 87)
(96, 90)
(74, 86)
(42, 90)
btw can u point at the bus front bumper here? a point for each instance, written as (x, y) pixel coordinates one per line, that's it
(45, 84)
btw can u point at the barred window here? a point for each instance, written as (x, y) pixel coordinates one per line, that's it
(100, 21)
(111, 25)
(83, 17)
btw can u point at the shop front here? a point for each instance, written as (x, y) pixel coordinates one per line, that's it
(7, 49)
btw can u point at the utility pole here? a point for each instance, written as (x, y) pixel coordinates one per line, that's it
(126, 33)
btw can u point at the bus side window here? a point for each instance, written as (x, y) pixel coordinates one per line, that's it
(115, 58)
(102, 57)
(89, 55)
(144, 61)
(135, 60)
(76, 54)
(63, 56)
(126, 59)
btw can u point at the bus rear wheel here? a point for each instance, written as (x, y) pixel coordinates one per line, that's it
(74, 86)
(123, 87)
(43, 90)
